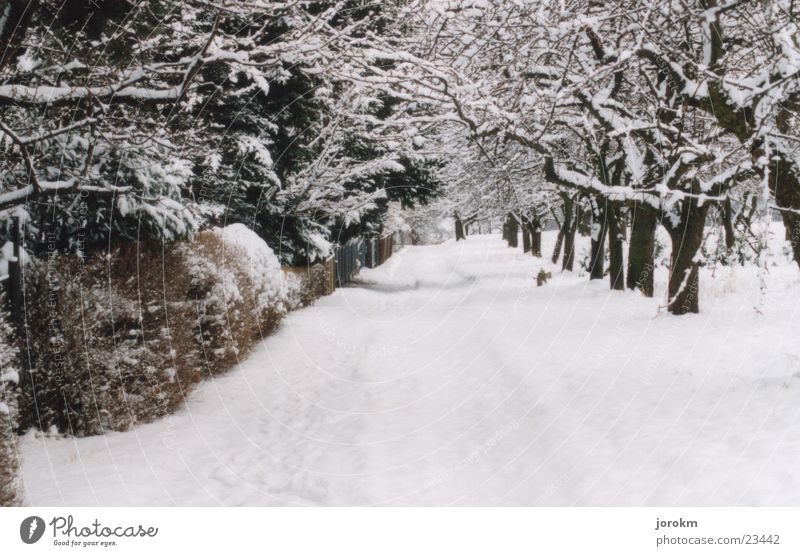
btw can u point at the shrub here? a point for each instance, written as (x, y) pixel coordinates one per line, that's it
(122, 338)
(108, 339)
(240, 292)
(306, 284)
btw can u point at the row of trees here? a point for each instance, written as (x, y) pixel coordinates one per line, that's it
(304, 120)
(662, 112)
(150, 120)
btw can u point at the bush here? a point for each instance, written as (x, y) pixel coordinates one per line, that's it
(108, 340)
(9, 464)
(121, 339)
(240, 291)
(307, 284)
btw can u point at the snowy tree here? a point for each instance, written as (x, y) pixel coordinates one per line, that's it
(738, 62)
(572, 90)
(163, 117)
(304, 157)
(83, 141)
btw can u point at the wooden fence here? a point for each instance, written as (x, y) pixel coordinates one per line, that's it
(12, 282)
(371, 257)
(346, 262)
(350, 257)
(385, 248)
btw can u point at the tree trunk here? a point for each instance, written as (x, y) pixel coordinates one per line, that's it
(569, 235)
(459, 228)
(598, 250)
(569, 250)
(727, 222)
(615, 255)
(535, 229)
(684, 276)
(785, 187)
(526, 236)
(513, 231)
(559, 243)
(642, 249)
(583, 221)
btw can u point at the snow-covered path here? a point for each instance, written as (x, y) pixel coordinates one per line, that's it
(447, 377)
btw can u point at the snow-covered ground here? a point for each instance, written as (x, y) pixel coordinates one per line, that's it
(447, 377)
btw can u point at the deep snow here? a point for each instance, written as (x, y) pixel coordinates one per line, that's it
(447, 377)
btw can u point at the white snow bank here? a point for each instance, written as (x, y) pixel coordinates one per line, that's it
(270, 288)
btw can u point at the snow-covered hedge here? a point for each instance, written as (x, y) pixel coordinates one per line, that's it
(307, 284)
(120, 339)
(9, 377)
(240, 291)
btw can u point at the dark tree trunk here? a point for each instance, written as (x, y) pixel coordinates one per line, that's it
(526, 236)
(569, 235)
(684, 276)
(535, 230)
(727, 222)
(459, 228)
(513, 231)
(642, 249)
(598, 251)
(785, 187)
(559, 243)
(623, 224)
(569, 250)
(583, 221)
(615, 255)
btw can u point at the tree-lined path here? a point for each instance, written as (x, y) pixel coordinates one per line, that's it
(447, 377)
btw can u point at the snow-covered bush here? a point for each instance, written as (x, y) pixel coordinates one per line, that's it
(307, 284)
(239, 290)
(110, 339)
(121, 338)
(9, 377)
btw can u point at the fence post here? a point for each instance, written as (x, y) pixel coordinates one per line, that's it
(15, 272)
(330, 264)
(337, 265)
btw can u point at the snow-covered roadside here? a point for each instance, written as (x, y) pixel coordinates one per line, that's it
(447, 377)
